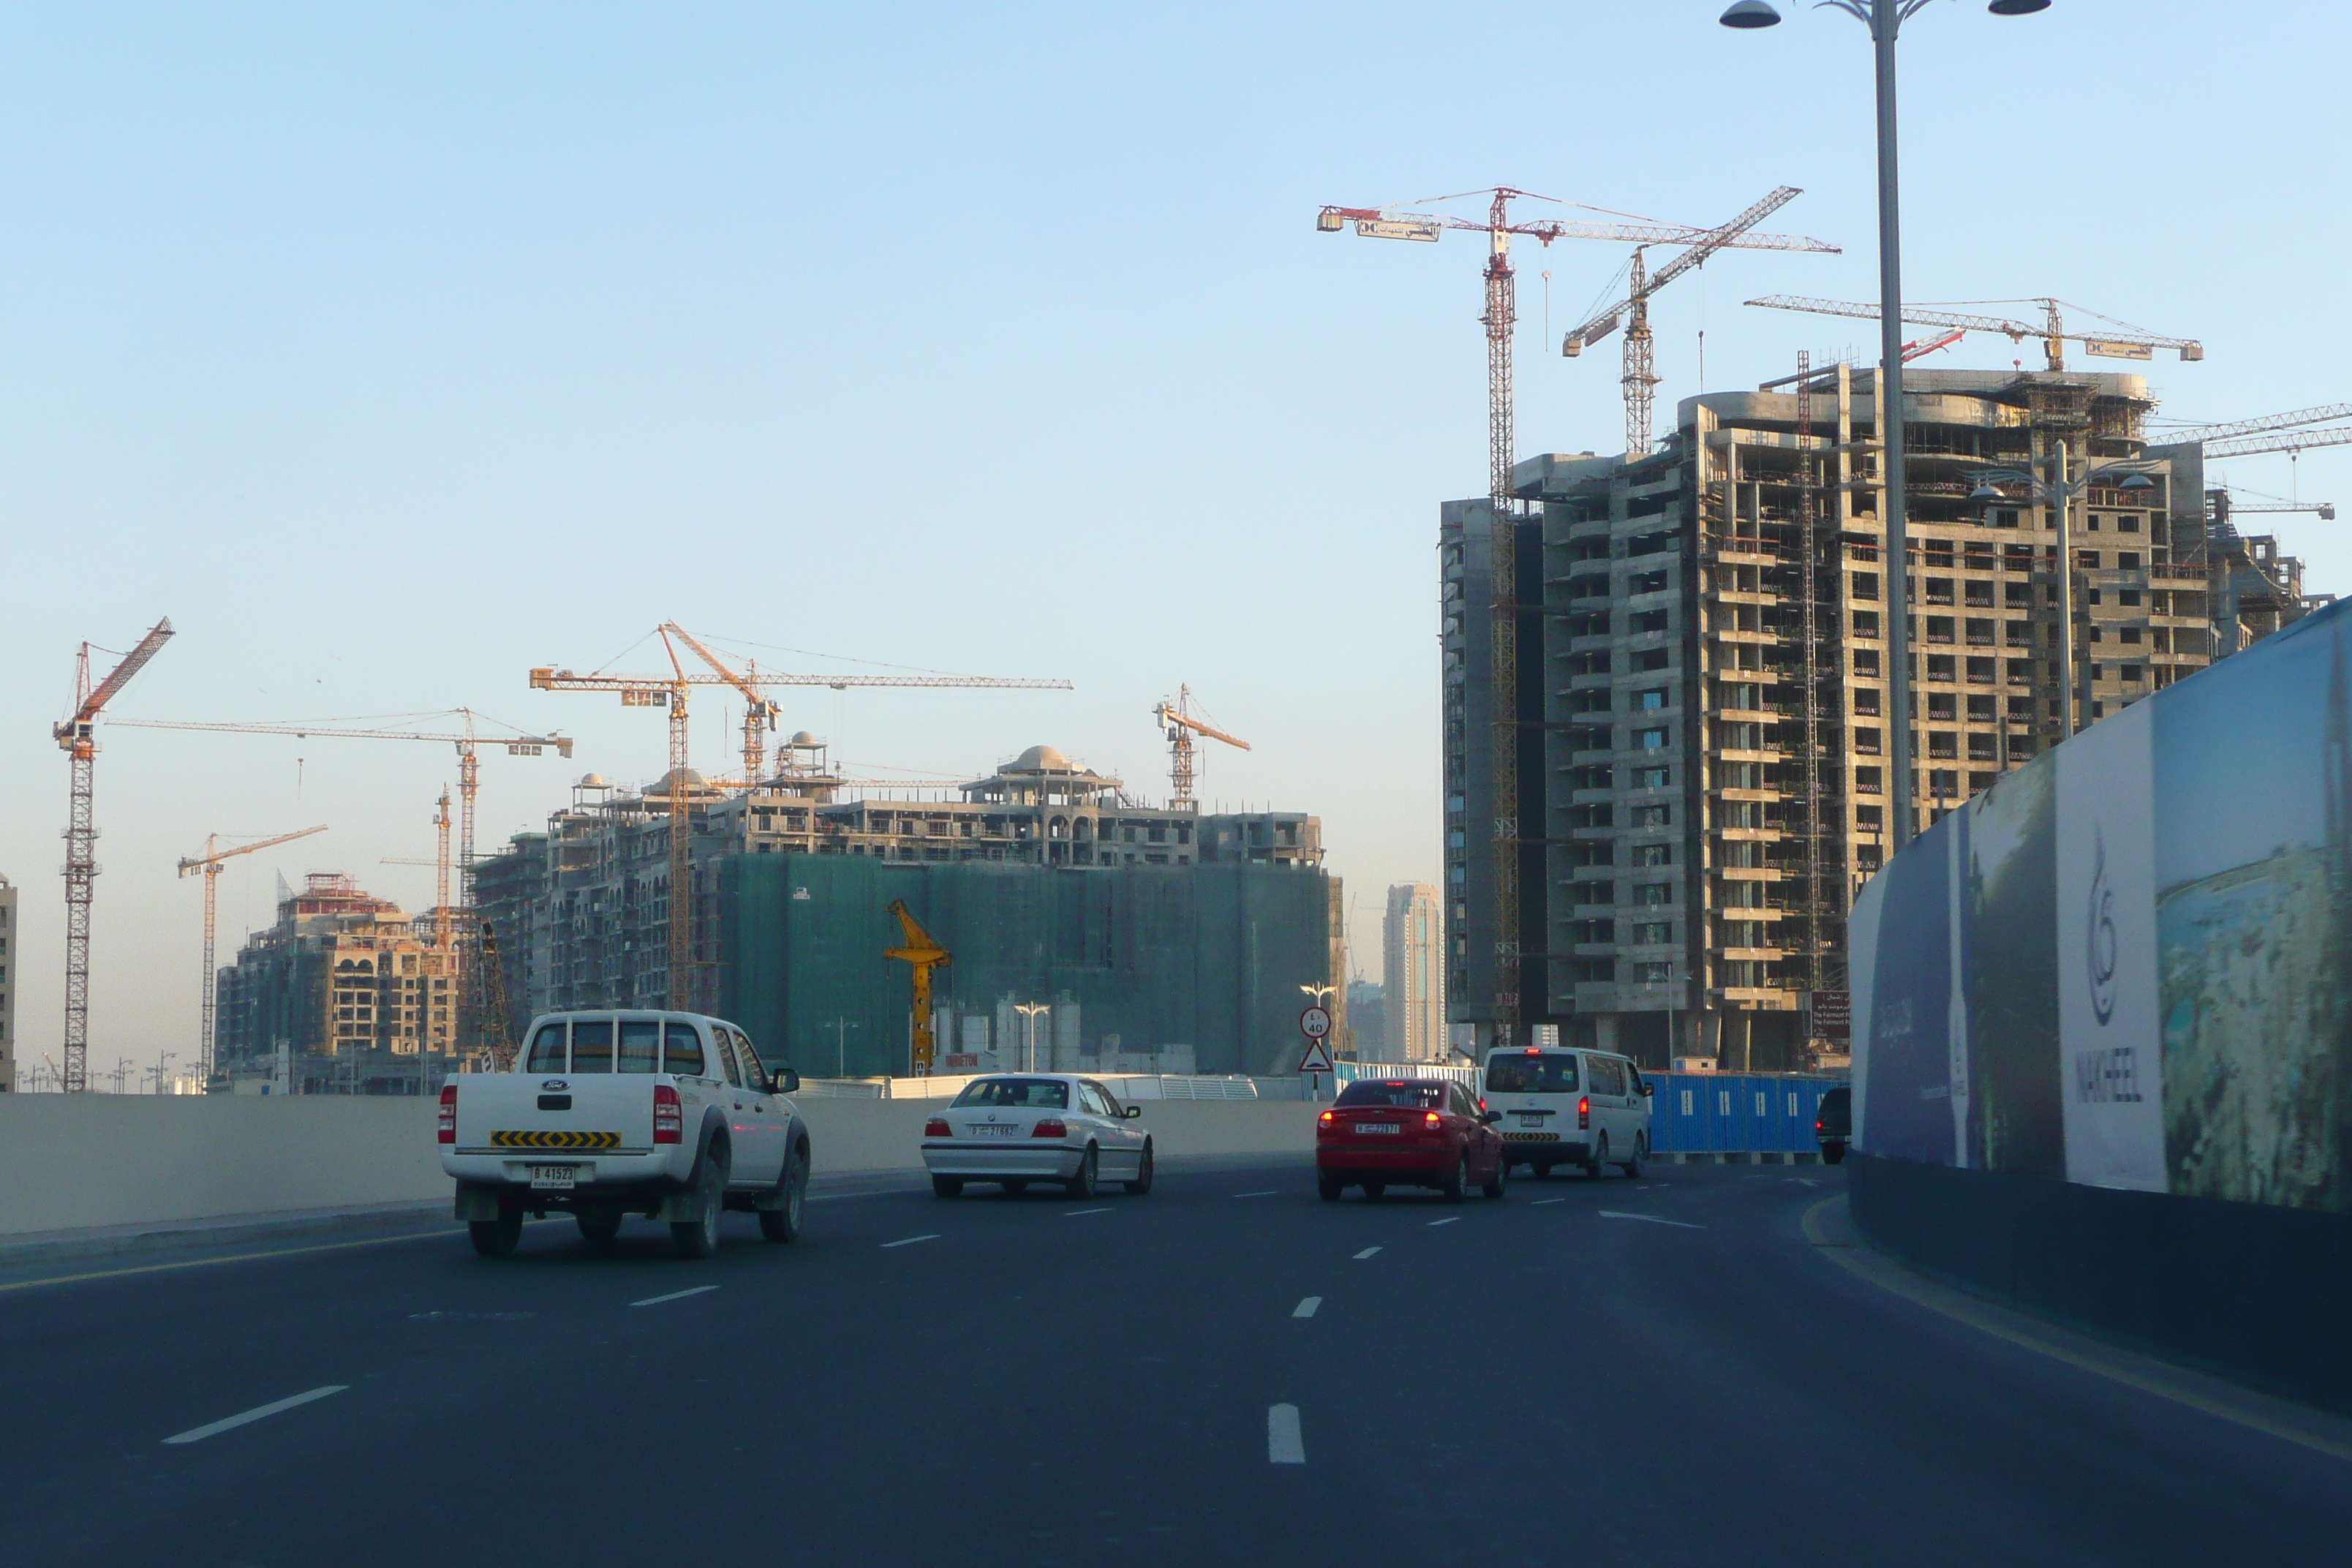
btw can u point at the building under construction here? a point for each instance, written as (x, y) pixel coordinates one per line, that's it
(1155, 938)
(1701, 732)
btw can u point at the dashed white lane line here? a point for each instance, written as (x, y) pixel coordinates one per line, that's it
(673, 1296)
(198, 1434)
(1073, 1214)
(1455, 1220)
(1284, 1444)
(1305, 1309)
(909, 1241)
(1540, 1203)
(1649, 1219)
(1366, 1253)
(1268, 1194)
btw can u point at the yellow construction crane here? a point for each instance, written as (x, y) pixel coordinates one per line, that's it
(209, 863)
(925, 956)
(1177, 723)
(2128, 344)
(498, 1028)
(758, 712)
(670, 691)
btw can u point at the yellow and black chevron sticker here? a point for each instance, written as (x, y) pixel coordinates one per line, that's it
(1530, 1137)
(555, 1140)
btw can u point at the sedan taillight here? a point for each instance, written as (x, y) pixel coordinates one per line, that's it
(1051, 1127)
(448, 1113)
(668, 1115)
(1428, 1121)
(937, 1127)
(1584, 1113)
(1326, 1124)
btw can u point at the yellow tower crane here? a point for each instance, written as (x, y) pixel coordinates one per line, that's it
(1179, 724)
(209, 863)
(924, 954)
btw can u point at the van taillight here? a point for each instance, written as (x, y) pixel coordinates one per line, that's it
(1584, 1113)
(448, 1113)
(668, 1115)
(1051, 1127)
(937, 1127)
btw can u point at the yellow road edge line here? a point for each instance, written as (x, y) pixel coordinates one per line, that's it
(1939, 1298)
(212, 1262)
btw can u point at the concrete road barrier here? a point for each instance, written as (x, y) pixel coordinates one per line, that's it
(84, 1162)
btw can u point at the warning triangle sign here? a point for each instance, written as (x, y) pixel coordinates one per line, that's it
(1318, 1058)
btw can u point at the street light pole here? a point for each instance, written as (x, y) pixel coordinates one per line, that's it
(1029, 1011)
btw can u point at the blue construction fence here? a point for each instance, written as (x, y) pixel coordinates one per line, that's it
(1692, 1112)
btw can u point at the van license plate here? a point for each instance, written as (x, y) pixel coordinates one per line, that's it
(1531, 1122)
(560, 1177)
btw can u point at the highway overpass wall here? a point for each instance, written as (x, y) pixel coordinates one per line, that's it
(82, 1161)
(2102, 1026)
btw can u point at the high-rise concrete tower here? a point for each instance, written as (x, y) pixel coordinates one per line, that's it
(1414, 974)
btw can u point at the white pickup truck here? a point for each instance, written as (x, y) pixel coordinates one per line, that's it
(607, 1114)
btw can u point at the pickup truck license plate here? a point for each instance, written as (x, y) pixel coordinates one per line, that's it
(1531, 1122)
(1376, 1127)
(560, 1177)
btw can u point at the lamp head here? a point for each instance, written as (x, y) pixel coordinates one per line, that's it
(2136, 482)
(1984, 491)
(2017, 8)
(1757, 13)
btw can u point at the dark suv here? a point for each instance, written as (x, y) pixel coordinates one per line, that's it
(1834, 1124)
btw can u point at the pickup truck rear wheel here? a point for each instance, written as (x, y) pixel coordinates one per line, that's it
(496, 1237)
(597, 1224)
(699, 1237)
(782, 1222)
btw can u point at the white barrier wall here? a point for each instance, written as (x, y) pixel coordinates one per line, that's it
(74, 1162)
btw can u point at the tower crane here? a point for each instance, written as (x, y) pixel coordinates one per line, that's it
(209, 864)
(924, 954)
(671, 691)
(1640, 377)
(1381, 223)
(2257, 426)
(1177, 723)
(2288, 441)
(2128, 344)
(77, 738)
(758, 712)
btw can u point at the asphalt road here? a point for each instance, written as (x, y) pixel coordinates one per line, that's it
(1672, 1371)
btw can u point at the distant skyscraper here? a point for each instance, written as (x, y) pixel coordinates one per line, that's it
(8, 987)
(1413, 993)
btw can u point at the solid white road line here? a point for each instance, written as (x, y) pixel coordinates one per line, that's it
(1455, 1220)
(1268, 1194)
(198, 1434)
(1366, 1253)
(1284, 1445)
(673, 1296)
(1649, 1219)
(1539, 1203)
(1305, 1309)
(1073, 1214)
(909, 1241)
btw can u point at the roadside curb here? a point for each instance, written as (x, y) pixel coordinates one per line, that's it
(177, 1235)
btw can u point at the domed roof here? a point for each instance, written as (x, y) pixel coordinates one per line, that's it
(693, 782)
(1038, 759)
(802, 739)
(592, 781)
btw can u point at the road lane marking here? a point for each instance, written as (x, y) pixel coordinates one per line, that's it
(673, 1296)
(1073, 1214)
(1366, 1253)
(1539, 1203)
(909, 1241)
(1891, 1277)
(198, 1434)
(1455, 1220)
(1305, 1309)
(1284, 1444)
(1268, 1194)
(1649, 1219)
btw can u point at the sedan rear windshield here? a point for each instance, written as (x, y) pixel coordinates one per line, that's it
(1017, 1093)
(1425, 1094)
(1531, 1075)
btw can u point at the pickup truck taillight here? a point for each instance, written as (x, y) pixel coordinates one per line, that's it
(668, 1115)
(448, 1113)
(937, 1127)
(1584, 1112)
(1051, 1127)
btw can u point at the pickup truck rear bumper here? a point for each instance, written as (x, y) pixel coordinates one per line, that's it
(654, 1197)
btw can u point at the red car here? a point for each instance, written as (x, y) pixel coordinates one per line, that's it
(1412, 1132)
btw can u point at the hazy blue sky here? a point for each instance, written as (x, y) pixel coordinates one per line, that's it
(392, 350)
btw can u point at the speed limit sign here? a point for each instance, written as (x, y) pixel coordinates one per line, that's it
(1315, 1022)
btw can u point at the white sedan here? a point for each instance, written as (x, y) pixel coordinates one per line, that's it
(1018, 1128)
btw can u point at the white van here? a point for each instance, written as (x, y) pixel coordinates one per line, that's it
(1561, 1107)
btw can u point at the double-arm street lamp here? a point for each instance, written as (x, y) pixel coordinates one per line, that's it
(1029, 1011)
(1884, 18)
(2058, 493)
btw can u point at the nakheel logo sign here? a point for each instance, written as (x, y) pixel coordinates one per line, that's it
(2100, 949)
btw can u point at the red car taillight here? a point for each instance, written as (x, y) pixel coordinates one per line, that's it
(1051, 1127)
(448, 1113)
(1584, 1113)
(937, 1127)
(668, 1116)
(1327, 1122)
(1428, 1121)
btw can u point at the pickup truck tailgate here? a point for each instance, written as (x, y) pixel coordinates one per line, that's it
(514, 1113)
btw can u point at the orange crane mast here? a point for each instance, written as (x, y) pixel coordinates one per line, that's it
(1177, 723)
(77, 738)
(209, 864)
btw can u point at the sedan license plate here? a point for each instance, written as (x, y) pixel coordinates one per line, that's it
(560, 1178)
(992, 1130)
(1531, 1122)
(1376, 1127)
